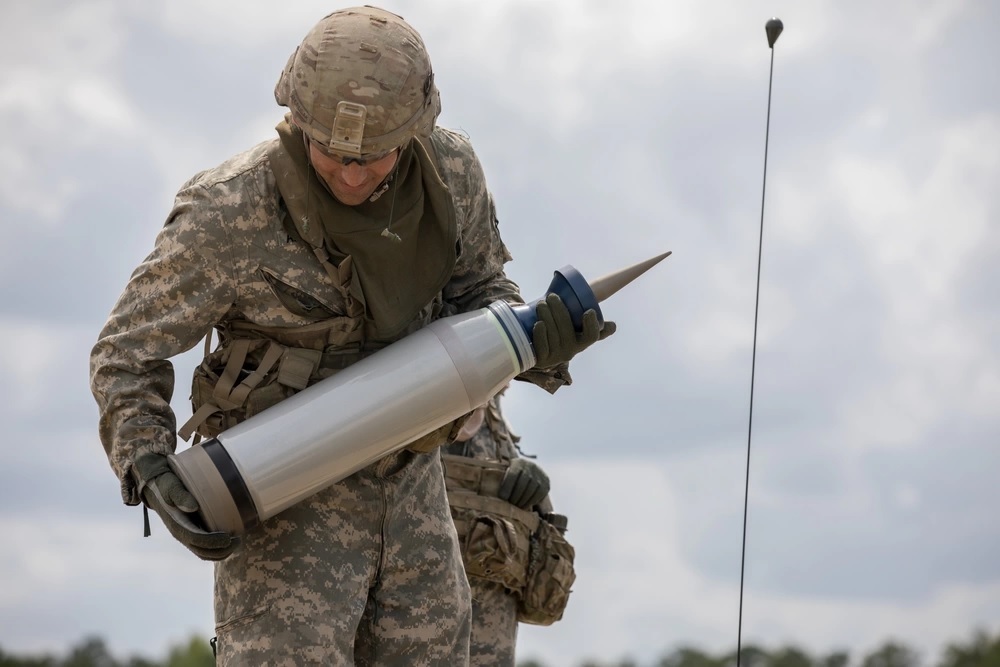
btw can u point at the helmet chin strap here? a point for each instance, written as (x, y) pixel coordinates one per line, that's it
(392, 236)
(383, 186)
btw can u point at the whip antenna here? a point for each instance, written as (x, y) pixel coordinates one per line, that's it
(773, 29)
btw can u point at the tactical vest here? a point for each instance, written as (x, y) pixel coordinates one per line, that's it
(524, 551)
(255, 367)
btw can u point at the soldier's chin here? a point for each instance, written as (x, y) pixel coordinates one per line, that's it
(351, 196)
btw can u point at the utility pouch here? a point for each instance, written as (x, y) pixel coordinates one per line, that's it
(550, 576)
(494, 536)
(248, 375)
(536, 563)
(233, 384)
(491, 550)
(297, 366)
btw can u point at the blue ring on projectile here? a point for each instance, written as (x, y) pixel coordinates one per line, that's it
(575, 292)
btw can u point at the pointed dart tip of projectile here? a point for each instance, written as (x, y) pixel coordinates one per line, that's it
(607, 285)
(773, 28)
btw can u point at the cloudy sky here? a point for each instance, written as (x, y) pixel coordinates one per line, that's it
(609, 131)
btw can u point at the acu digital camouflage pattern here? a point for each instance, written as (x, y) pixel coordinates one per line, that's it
(367, 570)
(371, 562)
(494, 625)
(494, 607)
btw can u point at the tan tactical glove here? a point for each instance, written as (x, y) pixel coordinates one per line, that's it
(166, 495)
(555, 339)
(440, 436)
(524, 484)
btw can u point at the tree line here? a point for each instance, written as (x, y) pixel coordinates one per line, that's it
(980, 649)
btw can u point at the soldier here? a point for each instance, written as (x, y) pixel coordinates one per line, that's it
(499, 502)
(358, 224)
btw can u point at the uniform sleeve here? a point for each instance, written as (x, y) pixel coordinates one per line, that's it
(172, 300)
(479, 278)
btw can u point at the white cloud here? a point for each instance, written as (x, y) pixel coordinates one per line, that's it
(241, 25)
(98, 102)
(35, 356)
(922, 221)
(61, 98)
(637, 594)
(101, 565)
(918, 228)
(22, 190)
(948, 615)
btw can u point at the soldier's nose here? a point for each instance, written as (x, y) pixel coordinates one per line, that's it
(353, 174)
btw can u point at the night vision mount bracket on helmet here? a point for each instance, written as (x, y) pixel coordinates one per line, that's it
(348, 127)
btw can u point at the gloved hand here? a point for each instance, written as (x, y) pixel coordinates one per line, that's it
(554, 338)
(524, 484)
(165, 494)
(440, 436)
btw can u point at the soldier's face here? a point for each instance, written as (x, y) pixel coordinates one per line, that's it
(352, 183)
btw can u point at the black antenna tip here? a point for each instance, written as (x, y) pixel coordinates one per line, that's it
(773, 29)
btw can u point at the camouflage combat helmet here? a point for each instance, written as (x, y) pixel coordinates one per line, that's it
(360, 83)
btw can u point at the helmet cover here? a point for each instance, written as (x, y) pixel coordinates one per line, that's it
(360, 83)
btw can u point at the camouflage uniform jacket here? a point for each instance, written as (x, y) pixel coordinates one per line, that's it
(227, 253)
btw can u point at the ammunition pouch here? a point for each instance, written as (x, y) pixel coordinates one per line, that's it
(521, 550)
